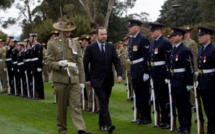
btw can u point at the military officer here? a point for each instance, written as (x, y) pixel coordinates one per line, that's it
(16, 78)
(181, 68)
(45, 67)
(28, 72)
(64, 57)
(192, 45)
(139, 58)
(160, 50)
(36, 66)
(21, 68)
(3, 74)
(121, 54)
(206, 77)
(9, 64)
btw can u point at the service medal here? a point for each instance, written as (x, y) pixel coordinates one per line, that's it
(204, 59)
(156, 51)
(135, 48)
(176, 57)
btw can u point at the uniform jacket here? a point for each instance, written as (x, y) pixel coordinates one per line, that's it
(160, 50)
(8, 55)
(181, 57)
(14, 58)
(27, 58)
(20, 60)
(206, 60)
(101, 68)
(191, 44)
(2, 57)
(65, 49)
(36, 52)
(139, 48)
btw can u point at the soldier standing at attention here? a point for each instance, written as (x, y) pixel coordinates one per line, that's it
(160, 50)
(121, 54)
(3, 74)
(139, 59)
(64, 58)
(45, 67)
(181, 68)
(192, 45)
(36, 65)
(206, 77)
(9, 64)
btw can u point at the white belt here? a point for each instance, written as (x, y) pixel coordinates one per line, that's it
(34, 59)
(8, 59)
(136, 61)
(27, 60)
(179, 70)
(20, 63)
(205, 71)
(15, 62)
(1, 60)
(158, 63)
(72, 64)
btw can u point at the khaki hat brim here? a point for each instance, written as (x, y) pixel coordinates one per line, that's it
(57, 26)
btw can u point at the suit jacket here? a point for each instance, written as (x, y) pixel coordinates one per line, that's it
(139, 48)
(181, 57)
(206, 60)
(160, 50)
(98, 69)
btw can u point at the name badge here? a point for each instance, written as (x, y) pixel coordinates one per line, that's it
(156, 51)
(135, 48)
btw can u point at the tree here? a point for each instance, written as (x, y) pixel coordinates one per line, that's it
(6, 4)
(187, 15)
(207, 10)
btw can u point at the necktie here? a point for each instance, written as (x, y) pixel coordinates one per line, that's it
(102, 49)
(174, 48)
(203, 48)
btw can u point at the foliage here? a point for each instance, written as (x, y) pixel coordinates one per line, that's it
(3, 35)
(207, 10)
(6, 4)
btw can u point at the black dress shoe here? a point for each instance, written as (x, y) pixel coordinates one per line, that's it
(83, 132)
(164, 126)
(110, 129)
(3, 92)
(102, 128)
(184, 132)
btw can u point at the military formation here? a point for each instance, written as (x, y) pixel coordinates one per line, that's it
(172, 73)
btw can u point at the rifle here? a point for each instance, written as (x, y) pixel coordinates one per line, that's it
(21, 85)
(136, 114)
(8, 83)
(33, 81)
(83, 99)
(27, 84)
(93, 100)
(127, 86)
(173, 125)
(199, 115)
(155, 106)
(14, 81)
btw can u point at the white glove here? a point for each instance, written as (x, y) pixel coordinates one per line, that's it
(189, 87)
(11, 69)
(167, 81)
(5, 69)
(39, 69)
(17, 70)
(82, 85)
(63, 63)
(145, 77)
(196, 73)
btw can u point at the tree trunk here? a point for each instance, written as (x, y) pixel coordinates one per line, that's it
(109, 9)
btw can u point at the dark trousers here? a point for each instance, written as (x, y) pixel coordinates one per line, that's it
(141, 90)
(103, 95)
(39, 87)
(208, 99)
(162, 100)
(23, 82)
(181, 98)
(10, 79)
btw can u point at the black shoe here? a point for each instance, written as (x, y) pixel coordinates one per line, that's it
(184, 132)
(88, 110)
(83, 132)
(3, 92)
(102, 128)
(164, 126)
(139, 122)
(110, 129)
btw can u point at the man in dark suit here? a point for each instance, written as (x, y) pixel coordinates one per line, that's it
(160, 50)
(206, 76)
(139, 59)
(100, 56)
(181, 68)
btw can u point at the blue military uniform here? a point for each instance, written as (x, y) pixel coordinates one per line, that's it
(160, 50)
(139, 57)
(206, 78)
(181, 68)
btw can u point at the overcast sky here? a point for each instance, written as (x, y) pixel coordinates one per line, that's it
(152, 7)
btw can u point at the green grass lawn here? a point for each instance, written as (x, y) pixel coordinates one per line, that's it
(25, 116)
